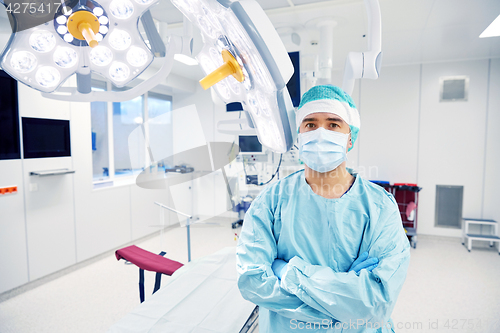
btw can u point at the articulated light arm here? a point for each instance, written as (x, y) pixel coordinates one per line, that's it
(366, 65)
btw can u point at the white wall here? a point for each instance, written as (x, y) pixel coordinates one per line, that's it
(410, 137)
(388, 139)
(452, 140)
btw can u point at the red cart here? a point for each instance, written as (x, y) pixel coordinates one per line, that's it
(406, 195)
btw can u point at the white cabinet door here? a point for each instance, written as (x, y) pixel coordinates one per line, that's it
(49, 216)
(13, 258)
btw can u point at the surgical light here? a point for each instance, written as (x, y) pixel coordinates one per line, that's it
(42, 41)
(23, 61)
(48, 76)
(119, 71)
(245, 60)
(137, 56)
(62, 30)
(103, 29)
(68, 38)
(493, 30)
(65, 57)
(119, 40)
(101, 56)
(98, 11)
(121, 9)
(103, 20)
(80, 35)
(61, 19)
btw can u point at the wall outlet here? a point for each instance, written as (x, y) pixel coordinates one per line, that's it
(8, 190)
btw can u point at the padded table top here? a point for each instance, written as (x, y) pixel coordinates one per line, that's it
(200, 297)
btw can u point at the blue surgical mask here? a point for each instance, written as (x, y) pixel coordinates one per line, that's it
(323, 150)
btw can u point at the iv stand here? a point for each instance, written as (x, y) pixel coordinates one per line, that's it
(187, 225)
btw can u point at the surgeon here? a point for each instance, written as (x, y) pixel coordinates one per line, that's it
(323, 250)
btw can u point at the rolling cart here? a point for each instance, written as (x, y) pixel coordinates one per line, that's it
(406, 196)
(382, 183)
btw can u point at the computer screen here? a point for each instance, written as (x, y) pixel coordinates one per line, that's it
(250, 144)
(9, 119)
(45, 138)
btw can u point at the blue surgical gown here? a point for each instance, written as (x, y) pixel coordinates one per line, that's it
(320, 238)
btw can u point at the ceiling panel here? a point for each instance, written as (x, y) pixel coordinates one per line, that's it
(455, 43)
(447, 13)
(404, 14)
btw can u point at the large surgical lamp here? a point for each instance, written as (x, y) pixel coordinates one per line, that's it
(52, 41)
(242, 52)
(246, 61)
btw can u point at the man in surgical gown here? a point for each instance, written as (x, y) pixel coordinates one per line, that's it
(302, 235)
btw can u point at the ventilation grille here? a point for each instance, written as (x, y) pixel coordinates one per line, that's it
(449, 201)
(454, 88)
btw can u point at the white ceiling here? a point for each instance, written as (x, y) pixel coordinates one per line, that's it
(413, 31)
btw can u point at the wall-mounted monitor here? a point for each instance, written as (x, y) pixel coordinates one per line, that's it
(10, 147)
(46, 138)
(250, 144)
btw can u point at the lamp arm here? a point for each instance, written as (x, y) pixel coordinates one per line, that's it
(373, 58)
(367, 64)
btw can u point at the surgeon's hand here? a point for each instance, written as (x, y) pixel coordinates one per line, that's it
(363, 262)
(279, 267)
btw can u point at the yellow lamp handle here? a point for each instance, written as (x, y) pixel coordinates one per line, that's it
(83, 25)
(230, 67)
(86, 30)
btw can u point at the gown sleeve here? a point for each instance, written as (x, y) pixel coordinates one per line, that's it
(255, 253)
(346, 297)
